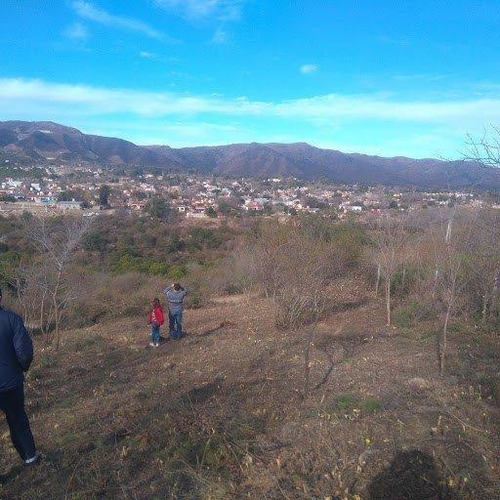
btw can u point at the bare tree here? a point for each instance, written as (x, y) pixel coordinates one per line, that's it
(44, 284)
(459, 258)
(484, 288)
(452, 265)
(30, 283)
(486, 149)
(379, 276)
(271, 248)
(295, 266)
(392, 250)
(457, 235)
(243, 268)
(291, 267)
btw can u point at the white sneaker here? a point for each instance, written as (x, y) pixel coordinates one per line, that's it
(33, 460)
(157, 344)
(152, 344)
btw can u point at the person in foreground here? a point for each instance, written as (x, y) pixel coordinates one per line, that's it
(16, 354)
(156, 320)
(175, 297)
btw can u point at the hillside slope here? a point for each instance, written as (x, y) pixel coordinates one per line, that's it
(223, 414)
(45, 142)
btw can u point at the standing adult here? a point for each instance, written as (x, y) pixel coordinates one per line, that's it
(16, 354)
(175, 297)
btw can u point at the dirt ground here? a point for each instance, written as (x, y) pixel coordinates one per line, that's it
(345, 409)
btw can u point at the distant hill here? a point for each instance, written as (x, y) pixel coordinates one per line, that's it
(47, 141)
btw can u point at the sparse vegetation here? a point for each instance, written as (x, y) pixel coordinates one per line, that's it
(289, 383)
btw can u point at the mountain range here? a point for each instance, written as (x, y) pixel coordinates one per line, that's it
(48, 142)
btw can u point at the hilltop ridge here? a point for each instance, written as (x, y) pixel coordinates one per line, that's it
(45, 142)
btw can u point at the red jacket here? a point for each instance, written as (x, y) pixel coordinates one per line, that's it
(156, 315)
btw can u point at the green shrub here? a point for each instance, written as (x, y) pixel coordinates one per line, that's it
(9, 261)
(350, 401)
(104, 297)
(202, 238)
(404, 279)
(403, 317)
(410, 315)
(370, 404)
(344, 402)
(128, 263)
(95, 241)
(177, 272)
(490, 384)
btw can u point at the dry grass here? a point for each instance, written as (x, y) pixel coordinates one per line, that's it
(222, 413)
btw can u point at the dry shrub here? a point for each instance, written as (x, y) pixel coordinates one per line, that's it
(294, 262)
(235, 274)
(105, 297)
(482, 292)
(445, 264)
(463, 242)
(303, 275)
(199, 292)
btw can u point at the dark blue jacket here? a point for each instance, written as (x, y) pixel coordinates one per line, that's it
(16, 350)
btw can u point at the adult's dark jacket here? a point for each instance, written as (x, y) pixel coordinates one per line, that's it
(16, 350)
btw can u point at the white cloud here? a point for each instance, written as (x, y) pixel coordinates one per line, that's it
(197, 129)
(308, 68)
(174, 133)
(388, 40)
(220, 37)
(368, 123)
(420, 76)
(224, 10)
(147, 55)
(22, 97)
(87, 11)
(76, 31)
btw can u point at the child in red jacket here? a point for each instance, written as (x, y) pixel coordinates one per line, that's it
(156, 319)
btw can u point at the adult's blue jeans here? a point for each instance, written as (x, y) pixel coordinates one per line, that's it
(175, 324)
(12, 404)
(155, 332)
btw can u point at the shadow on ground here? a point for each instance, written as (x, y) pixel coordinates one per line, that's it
(412, 475)
(13, 473)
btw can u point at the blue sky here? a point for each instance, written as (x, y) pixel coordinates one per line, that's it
(378, 77)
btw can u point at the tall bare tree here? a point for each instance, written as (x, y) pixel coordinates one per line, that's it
(458, 231)
(484, 289)
(392, 250)
(45, 282)
(485, 149)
